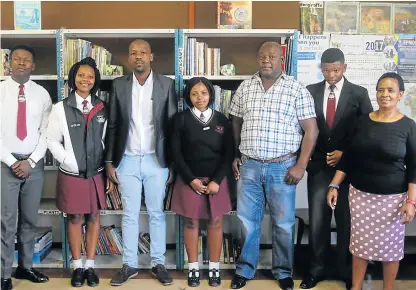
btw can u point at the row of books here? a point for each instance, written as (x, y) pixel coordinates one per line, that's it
(77, 49)
(230, 252)
(223, 100)
(110, 241)
(5, 62)
(201, 59)
(42, 242)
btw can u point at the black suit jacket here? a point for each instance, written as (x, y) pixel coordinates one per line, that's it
(353, 102)
(165, 106)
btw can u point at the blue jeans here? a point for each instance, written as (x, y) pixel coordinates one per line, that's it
(261, 182)
(133, 173)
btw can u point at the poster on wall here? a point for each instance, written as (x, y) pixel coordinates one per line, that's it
(367, 58)
(375, 18)
(341, 17)
(312, 17)
(406, 50)
(234, 15)
(404, 18)
(310, 49)
(407, 105)
(27, 15)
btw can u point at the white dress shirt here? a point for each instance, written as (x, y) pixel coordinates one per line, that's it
(207, 114)
(80, 99)
(337, 91)
(38, 108)
(141, 139)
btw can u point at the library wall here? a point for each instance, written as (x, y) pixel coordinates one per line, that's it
(147, 14)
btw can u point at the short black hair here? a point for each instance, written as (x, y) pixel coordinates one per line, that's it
(392, 75)
(23, 47)
(332, 55)
(74, 70)
(191, 83)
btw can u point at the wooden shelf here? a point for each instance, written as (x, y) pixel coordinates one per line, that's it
(238, 32)
(119, 33)
(28, 33)
(265, 262)
(222, 78)
(116, 261)
(35, 77)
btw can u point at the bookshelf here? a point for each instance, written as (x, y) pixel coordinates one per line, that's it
(169, 47)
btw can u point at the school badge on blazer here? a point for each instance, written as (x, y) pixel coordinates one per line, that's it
(219, 129)
(100, 119)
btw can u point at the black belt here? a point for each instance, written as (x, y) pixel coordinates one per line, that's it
(21, 157)
(274, 160)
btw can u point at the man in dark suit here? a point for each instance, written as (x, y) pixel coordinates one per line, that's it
(141, 107)
(338, 104)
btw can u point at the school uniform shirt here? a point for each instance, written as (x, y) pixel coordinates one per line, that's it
(38, 108)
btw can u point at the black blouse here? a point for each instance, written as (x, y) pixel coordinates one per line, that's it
(381, 157)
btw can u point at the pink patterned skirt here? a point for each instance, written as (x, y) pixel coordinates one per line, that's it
(186, 202)
(377, 233)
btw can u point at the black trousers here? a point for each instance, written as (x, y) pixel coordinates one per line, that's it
(320, 216)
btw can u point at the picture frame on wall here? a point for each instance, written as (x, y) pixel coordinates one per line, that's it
(404, 18)
(376, 18)
(27, 15)
(341, 17)
(311, 17)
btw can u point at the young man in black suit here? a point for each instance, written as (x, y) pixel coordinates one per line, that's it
(338, 104)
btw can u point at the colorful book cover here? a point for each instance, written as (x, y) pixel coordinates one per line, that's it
(405, 18)
(234, 15)
(312, 17)
(27, 15)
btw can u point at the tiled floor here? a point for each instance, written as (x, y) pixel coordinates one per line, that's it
(149, 284)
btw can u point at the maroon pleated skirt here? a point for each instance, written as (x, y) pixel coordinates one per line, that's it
(75, 195)
(186, 202)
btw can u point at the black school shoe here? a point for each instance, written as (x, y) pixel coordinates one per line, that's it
(193, 278)
(214, 279)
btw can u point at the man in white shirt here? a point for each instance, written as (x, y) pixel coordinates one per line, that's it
(338, 104)
(25, 108)
(141, 107)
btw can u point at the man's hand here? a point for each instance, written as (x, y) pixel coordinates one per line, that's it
(111, 173)
(212, 188)
(198, 186)
(332, 158)
(236, 169)
(294, 175)
(21, 169)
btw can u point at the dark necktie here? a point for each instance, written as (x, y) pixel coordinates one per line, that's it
(202, 117)
(21, 114)
(85, 110)
(330, 107)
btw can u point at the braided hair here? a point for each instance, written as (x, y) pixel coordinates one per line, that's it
(74, 70)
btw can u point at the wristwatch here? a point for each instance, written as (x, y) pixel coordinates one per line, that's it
(31, 163)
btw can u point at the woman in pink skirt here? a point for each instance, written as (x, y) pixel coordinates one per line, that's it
(75, 138)
(380, 164)
(202, 154)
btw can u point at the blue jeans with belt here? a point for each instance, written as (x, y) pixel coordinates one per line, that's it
(260, 183)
